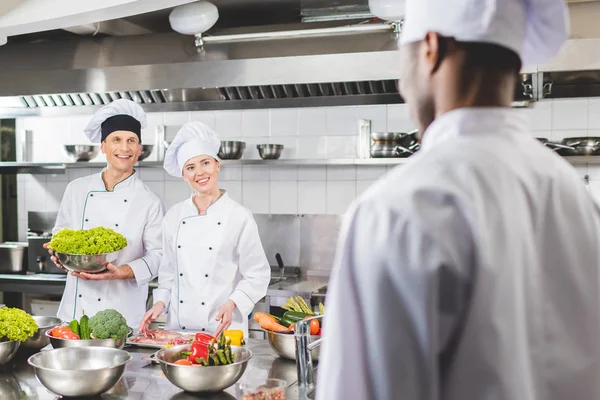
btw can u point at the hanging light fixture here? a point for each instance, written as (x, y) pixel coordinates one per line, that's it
(194, 18)
(388, 10)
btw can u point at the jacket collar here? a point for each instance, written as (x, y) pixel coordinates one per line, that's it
(467, 121)
(125, 183)
(216, 207)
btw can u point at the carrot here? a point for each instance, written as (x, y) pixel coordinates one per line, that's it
(268, 322)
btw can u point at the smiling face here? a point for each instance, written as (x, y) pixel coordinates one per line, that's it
(122, 150)
(202, 174)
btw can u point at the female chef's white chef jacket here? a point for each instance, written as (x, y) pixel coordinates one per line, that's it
(209, 259)
(471, 273)
(134, 211)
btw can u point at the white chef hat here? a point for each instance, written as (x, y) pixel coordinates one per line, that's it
(120, 115)
(193, 139)
(534, 29)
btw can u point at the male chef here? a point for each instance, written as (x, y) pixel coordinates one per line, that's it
(115, 198)
(471, 272)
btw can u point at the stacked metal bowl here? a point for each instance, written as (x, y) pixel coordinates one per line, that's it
(40, 339)
(393, 144)
(81, 152)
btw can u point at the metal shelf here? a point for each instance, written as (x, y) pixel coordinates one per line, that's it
(60, 168)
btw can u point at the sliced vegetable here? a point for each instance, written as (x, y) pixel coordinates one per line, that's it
(74, 325)
(183, 361)
(199, 350)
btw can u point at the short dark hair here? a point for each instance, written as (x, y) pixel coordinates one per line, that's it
(491, 57)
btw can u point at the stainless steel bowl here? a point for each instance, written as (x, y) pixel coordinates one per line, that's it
(231, 150)
(580, 146)
(58, 343)
(269, 151)
(40, 340)
(285, 345)
(81, 152)
(146, 151)
(8, 349)
(202, 379)
(86, 263)
(87, 371)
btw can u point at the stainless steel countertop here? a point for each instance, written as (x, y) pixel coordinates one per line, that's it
(143, 380)
(290, 286)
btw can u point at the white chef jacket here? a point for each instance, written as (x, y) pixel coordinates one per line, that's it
(470, 273)
(134, 211)
(209, 259)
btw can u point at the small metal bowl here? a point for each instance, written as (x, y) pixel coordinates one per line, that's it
(40, 340)
(269, 151)
(81, 152)
(86, 263)
(386, 136)
(285, 345)
(146, 151)
(59, 343)
(231, 150)
(76, 372)
(202, 379)
(8, 349)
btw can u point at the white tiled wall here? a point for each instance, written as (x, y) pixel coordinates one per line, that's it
(307, 133)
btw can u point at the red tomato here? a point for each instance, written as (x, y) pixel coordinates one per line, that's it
(69, 335)
(314, 327)
(59, 330)
(183, 361)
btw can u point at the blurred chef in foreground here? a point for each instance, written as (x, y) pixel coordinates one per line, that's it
(471, 272)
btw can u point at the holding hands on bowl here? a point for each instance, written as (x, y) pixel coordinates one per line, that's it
(97, 241)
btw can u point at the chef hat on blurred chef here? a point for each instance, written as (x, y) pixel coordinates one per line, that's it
(193, 139)
(120, 115)
(534, 29)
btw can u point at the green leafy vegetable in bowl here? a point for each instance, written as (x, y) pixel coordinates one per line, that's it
(108, 324)
(16, 324)
(93, 241)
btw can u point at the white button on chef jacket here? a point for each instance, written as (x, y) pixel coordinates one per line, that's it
(209, 259)
(134, 211)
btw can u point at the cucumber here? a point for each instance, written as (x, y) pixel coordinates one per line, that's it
(74, 325)
(286, 322)
(295, 316)
(84, 328)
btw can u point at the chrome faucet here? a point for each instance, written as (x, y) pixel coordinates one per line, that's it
(306, 375)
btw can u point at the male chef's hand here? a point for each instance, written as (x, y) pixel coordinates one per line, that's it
(53, 258)
(224, 315)
(110, 273)
(153, 313)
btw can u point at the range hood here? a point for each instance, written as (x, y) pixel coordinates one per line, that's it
(168, 72)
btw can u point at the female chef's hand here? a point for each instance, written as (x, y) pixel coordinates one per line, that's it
(224, 315)
(111, 272)
(53, 258)
(153, 313)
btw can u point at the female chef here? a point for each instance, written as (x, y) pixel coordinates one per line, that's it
(214, 268)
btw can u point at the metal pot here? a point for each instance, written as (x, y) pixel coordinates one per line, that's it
(386, 136)
(581, 146)
(13, 257)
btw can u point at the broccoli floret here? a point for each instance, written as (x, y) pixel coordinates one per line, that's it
(108, 324)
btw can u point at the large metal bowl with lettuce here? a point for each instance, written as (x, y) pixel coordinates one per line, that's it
(16, 327)
(87, 250)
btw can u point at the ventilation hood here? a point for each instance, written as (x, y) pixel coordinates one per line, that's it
(168, 72)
